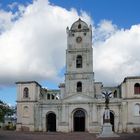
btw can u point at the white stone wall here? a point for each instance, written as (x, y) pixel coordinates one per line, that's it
(128, 88)
(130, 120)
(32, 111)
(83, 48)
(26, 106)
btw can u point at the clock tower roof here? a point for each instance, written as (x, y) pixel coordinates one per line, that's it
(79, 25)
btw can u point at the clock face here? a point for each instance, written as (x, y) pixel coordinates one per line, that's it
(78, 39)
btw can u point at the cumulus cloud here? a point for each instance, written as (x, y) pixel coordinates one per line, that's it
(118, 55)
(13, 5)
(5, 20)
(32, 46)
(103, 31)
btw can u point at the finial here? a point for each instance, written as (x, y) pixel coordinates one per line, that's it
(67, 29)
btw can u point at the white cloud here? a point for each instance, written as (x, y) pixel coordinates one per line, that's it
(118, 56)
(13, 5)
(5, 20)
(33, 48)
(33, 44)
(104, 30)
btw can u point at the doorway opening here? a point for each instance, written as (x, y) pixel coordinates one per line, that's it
(111, 120)
(51, 122)
(79, 121)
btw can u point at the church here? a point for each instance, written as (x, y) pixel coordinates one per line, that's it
(78, 104)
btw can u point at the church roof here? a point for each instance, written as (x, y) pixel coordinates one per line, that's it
(131, 77)
(28, 82)
(79, 25)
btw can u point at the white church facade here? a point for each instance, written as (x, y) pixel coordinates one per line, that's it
(78, 105)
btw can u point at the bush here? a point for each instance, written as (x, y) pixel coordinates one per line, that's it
(136, 129)
(10, 127)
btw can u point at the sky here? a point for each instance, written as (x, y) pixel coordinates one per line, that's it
(33, 41)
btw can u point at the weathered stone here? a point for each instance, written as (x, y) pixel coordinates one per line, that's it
(80, 92)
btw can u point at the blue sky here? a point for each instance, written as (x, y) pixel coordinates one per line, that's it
(109, 17)
(124, 13)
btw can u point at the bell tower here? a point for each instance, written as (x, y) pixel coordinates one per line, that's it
(79, 76)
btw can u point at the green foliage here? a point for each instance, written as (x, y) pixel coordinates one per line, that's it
(5, 109)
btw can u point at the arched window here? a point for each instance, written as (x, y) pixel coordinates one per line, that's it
(79, 86)
(137, 88)
(53, 97)
(79, 61)
(26, 92)
(115, 94)
(137, 109)
(48, 96)
(79, 26)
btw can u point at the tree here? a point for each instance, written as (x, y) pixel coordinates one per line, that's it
(5, 109)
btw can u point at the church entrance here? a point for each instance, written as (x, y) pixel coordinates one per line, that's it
(51, 122)
(79, 120)
(111, 120)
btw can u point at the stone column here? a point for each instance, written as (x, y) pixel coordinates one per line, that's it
(44, 123)
(59, 117)
(120, 119)
(94, 113)
(63, 113)
(90, 113)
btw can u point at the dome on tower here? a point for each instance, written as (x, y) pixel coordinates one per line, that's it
(79, 25)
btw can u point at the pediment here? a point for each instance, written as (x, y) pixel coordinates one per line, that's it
(78, 98)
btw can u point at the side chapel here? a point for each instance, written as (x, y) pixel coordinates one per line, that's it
(78, 105)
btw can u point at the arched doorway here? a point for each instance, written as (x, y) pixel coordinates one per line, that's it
(51, 122)
(79, 120)
(111, 120)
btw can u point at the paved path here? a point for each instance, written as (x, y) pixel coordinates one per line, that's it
(11, 135)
